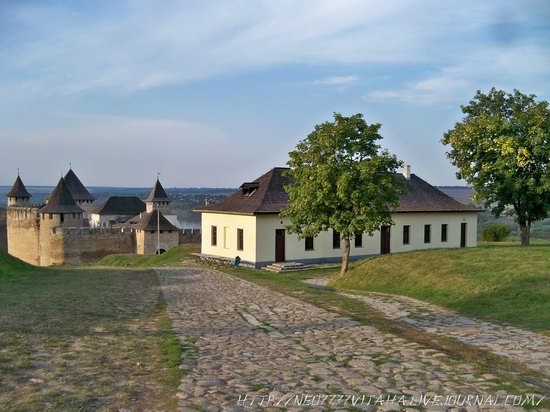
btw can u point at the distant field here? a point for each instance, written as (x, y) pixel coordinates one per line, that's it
(84, 339)
(505, 283)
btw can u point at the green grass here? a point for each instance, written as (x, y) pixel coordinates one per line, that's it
(85, 339)
(10, 266)
(496, 282)
(172, 257)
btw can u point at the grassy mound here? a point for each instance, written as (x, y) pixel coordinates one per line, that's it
(10, 266)
(172, 257)
(501, 283)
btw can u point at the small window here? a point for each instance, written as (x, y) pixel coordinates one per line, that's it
(444, 232)
(50, 216)
(335, 239)
(309, 242)
(214, 235)
(240, 239)
(406, 234)
(427, 230)
(359, 240)
(62, 217)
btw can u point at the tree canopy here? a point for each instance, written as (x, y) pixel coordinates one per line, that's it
(502, 149)
(342, 181)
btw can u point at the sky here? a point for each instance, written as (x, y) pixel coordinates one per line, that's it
(215, 93)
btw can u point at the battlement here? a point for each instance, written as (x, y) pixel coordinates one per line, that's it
(63, 230)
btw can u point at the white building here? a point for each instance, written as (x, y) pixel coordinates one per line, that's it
(115, 209)
(247, 224)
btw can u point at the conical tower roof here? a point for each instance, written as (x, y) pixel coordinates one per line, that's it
(77, 189)
(19, 190)
(61, 200)
(151, 221)
(158, 194)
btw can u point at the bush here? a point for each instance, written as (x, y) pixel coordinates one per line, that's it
(495, 232)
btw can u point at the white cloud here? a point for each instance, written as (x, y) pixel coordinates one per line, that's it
(337, 81)
(134, 45)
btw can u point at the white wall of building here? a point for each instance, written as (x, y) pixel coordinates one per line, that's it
(227, 226)
(259, 237)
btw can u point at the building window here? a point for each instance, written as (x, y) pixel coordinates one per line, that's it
(62, 217)
(50, 216)
(359, 240)
(240, 239)
(214, 235)
(335, 239)
(406, 234)
(427, 230)
(309, 242)
(444, 232)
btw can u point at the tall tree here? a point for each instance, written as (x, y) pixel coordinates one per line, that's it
(342, 181)
(502, 149)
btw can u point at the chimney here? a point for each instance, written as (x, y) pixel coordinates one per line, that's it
(407, 172)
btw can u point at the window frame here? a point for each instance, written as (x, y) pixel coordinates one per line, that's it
(427, 233)
(444, 232)
(213, 235)
(355, 241)
(307, 246)
(240, 239)
(336, 240)
(406, 234)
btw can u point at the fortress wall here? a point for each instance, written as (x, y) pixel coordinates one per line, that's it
(76, 246)
(189, 236)
(23, 230)
(147, 241)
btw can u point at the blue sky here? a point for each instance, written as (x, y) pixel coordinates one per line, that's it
(215, 93)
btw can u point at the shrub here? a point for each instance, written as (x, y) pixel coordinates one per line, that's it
(495, 232)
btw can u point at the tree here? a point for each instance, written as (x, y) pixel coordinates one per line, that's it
(502, 149)
(341, 181)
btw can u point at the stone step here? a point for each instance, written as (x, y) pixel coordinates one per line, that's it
(285, 267)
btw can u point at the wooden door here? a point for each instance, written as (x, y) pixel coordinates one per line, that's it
(463, 235)
(279, 245)
(384, 240)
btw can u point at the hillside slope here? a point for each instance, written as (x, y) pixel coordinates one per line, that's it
(500, 283)
(10, 265)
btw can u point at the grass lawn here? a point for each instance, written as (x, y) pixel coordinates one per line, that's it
(504, 283)
(84, 339)
(173, 257)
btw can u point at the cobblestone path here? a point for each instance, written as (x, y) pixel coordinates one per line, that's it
(246, 340)
(530, 348)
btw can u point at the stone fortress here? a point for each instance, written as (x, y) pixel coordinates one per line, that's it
(58, 232)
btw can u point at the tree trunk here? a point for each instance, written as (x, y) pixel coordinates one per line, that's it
(345, 257)
(525, 233)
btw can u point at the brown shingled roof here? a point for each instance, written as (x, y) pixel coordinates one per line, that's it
(270, 197)
(148, 221)
(61, 200)
(18, 189)
(157, 193)
(77, 189)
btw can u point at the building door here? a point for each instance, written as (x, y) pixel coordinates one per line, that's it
(384, 240)
(279, 245)
(463, 235)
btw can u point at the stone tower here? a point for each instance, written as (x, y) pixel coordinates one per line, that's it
(60, 211)
(158, 199)
(80, 194)
(155, 234)
(22, 223)
(18, 195)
